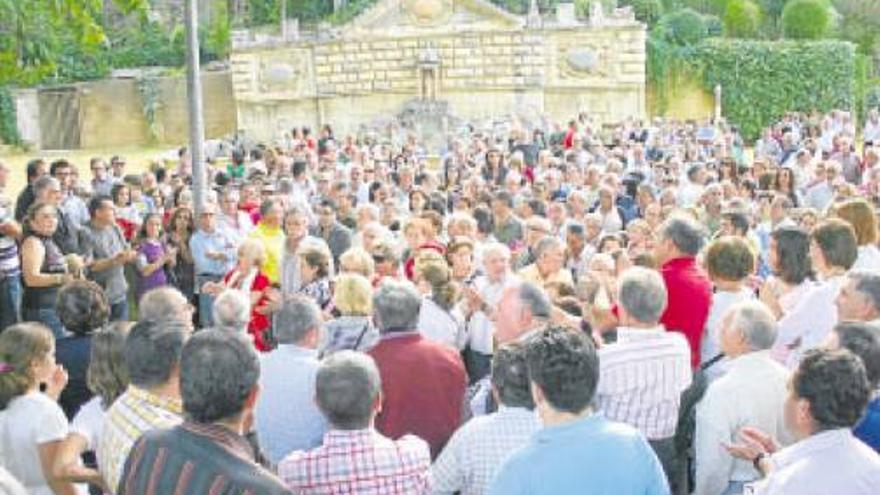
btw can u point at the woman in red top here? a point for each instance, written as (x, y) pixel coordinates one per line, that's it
(247, 276)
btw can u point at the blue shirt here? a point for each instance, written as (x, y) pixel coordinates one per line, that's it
(868, 428)
(286, 416)
(588, 456)
(201, 243)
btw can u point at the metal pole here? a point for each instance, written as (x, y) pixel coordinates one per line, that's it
(194, 97)
(284, 20)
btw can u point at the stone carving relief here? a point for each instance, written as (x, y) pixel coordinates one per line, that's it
(428, 12)
(289, 75)
(581, 61)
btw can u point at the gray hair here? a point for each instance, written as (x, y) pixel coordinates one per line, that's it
(495, 248)
(207, 356)
(232, 310)
(162, 304)
(396, 305)
(687, 235)
(755, 322)
(642, 294)
(346, 385)
(152, 350)
(546, 244)
(534, 299)
(868, 283)
(45, 182)
(296, 317)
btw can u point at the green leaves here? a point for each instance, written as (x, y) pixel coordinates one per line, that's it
(806, 19)
(762, 80)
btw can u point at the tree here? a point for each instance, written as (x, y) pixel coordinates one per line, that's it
(806, 19)
(742, 19)
(860, 23)
(36, 35)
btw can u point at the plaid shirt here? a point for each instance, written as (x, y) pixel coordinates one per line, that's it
(361, 462)
(134, 413)
(473, 455)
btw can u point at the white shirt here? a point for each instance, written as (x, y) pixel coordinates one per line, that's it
(829, 462)
(29, 421)
(89, 421)
(868, 258)
(473, 455)
(751, 393)
(480, 329)
(440, 325)
(711, 343)
(872, 131)
(641, 377)
(807, 324)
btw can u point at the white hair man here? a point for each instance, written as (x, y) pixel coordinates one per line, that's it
(643, 374)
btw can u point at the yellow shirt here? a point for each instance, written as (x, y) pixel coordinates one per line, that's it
(273, 243)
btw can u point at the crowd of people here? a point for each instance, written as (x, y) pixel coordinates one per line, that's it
(648, 307)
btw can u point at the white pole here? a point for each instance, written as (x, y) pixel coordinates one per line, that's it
(194, 97)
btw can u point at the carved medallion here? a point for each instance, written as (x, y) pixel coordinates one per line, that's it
(428, 12)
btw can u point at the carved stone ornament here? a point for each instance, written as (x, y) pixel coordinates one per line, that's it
(428, 12)
(582, 59)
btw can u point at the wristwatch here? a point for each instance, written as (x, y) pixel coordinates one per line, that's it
(757, 461)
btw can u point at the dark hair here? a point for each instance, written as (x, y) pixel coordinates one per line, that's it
(82, 307)
(152, 350)
(685, 233)
(863, 340)
(142, 232)
(565, 366)
(835, 384)
(97, 202)
(33, 166)
(510, 376)
(837, 240)
(730, 258)
(792, 254)
(266, 206)
(504, 197)
(298, 168)
(107, 374)
(60, 163)
(484, 218)
(117, 190)
(738, 219)
(218, 370)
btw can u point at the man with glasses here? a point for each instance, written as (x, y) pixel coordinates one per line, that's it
(73, 206)
(101, 182)
(106, 253)
(213, 252)
(117, 166)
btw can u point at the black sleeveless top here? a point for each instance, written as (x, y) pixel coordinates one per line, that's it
(53, 262)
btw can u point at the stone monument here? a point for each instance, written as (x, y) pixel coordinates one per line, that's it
(467, 58)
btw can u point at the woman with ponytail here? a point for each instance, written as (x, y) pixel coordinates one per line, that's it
(439, 318)
(32, 425)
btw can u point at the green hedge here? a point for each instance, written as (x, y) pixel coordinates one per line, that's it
(8, 125)
(762, 80)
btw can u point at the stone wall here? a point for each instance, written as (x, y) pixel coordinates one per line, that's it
(111, 112)
(482, 73)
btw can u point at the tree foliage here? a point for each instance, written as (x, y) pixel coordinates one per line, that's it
(742, 19)
(806, 19)
(647, 11)
(763, 80)
(860, 23)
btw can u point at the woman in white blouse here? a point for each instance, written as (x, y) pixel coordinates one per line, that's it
(32, 424)
(860, 214)
(440, 319)
(107, 378)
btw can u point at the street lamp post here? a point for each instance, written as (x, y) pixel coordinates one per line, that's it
(194, 98)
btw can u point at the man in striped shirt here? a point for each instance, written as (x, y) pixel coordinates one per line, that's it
(208, 453)
(152, 354)
(644, 373)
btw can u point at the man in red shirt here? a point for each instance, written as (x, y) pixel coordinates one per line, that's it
(688, 287)
(423, 382)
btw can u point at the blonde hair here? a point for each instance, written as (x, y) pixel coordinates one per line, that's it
(353, 295)
(21, 345)
(432, 267)
(860, 214)
(253, 250)
(357, 260)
